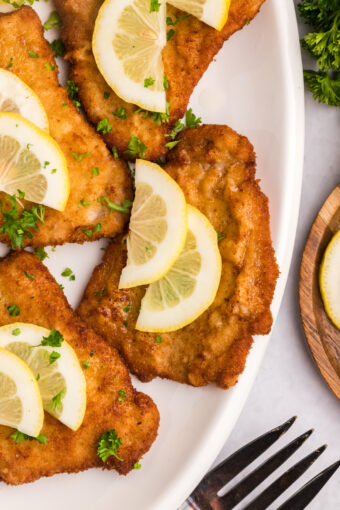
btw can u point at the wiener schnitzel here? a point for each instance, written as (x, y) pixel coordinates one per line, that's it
(186, 57)
(134, 419)
(215, 167)
(21, 35)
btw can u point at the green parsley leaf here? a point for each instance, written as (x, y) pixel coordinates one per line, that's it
(135, 148)
(148, 82)
(114, 152)
(53, 20)
(87, 231)
(10, 63)
(80, 157)
(220, 236)
(104, 126)
(95, 171)
(99, 293)
(86, 364)
(125, 324)
(106, 95)
(126, 309)
(71, 88)
(29, 275)
(191, 120)
(98, 227)
(56, 402)
(324, 87)
(41, 253)
(108, 445)
(120, 113)
(16, 225)
(58, 48)
(171, 22)
(170, 34)
(158, 340)
(49, 67)
(54, 339)
(124, 208)
(154, 6)
(171, 145)
(53, 357)
(68, 273)
(121, 396)
(33, 54)
(165, 83)
(14, 310)
(83, 203)
(137, 465)
(20, 436)
(16, 331)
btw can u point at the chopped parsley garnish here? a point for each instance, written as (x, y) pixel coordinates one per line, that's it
(104, 126)
(121, 396)
(137, 465)
(154, 6)
(10, 63)
(220, 236)
(49, 67)
(125, 324)
(171, 145)
(106, 95)
(41, 253)
(165, 83)
(98, 227)
(56, 402)
(126, 309)
(173, 22)
(58, 48)
(16, 331)
(87, 231)
(92, 353)
(83, 203)
(120, 113)
(158, 340)
(191, 121)
(136, 148)
(148, 82)
(114, 152)
(20, 436)
(170, 34)
(99, 293)
(61, 286)
(33, 54)
(13, 310)
(81, 156)
(95, 171)
(86, 364)
(53, 357)
(71, 88)
(54, 339)
(157, 117)
(64, 105)
(124, 208)
(108, 445)
(68, 273)
(53, 20)
(76, 104)
(29, 275)
(16, 224)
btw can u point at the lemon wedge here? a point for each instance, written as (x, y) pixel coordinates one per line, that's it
(158, 226)
(31, 161)
(329, 279)
(190, 286)
(213, 12)
(20, 400)
(6, 7)
(56, 369)
(127, 45)
(17, 97)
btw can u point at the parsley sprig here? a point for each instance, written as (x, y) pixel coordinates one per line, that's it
(108, 444)
(18, 436)
(17, 224)
(324, 45)
(191, 121)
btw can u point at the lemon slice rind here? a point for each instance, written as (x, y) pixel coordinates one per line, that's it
(212, 12)
(113, 69)
(172, 318)
(329, 280)
(176, 216)
(74, 399)
(14, 93)
(47, 154)
(27, 390)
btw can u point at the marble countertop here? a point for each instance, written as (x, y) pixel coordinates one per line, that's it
(289, 383)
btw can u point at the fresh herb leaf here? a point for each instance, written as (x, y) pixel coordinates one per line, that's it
(87, 231)
(124, 208)
(33, 54)
(54, 339)
(114, 152)
(126, 309)
(83, 203)
(137, 465)
(191, 120)
(171, 145)
(86, 364)
(56, 402)
(95, 171)
(158, 340)
(104, 126)
(53, 20)
(154, 6)
(13, 310)
(80, 157)
(220, 236)
(135, 148)
(10, 63)
(106, 95)
(20, 436)
(16, 331)
(41, 253)
(68, 273)
(173, 22)
(71, 88)
(53, 357)
(98, 227)
(148, 82)
(49, 67)
(324, 87)
(170, 34)
(165, 83)
(29, 275)
(120, 113)
(108, 445)
(58, 48)
(121, 396)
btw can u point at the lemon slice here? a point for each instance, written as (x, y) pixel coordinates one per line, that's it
(329, 279)
(20, 400)
(190, 286)
(31, 161)
(158, 226)
(6, 7)
(213, 12)
(61, 382)
(127, 45)
(17, 97)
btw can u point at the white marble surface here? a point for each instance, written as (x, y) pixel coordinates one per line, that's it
(288, 383)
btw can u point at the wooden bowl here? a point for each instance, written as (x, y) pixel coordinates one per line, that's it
(322, 336)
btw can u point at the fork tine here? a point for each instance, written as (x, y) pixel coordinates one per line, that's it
(304, 496)
(248, 484)
(282, 483)
(234, 464)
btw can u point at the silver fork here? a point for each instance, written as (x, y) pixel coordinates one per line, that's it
(205, 497)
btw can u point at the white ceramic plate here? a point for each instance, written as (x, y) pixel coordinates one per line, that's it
(256, 87)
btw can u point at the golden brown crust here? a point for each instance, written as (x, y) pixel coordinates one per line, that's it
(135, 420)
(215, 167)
(21, 32)
(186, 57)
